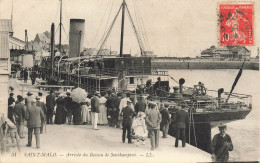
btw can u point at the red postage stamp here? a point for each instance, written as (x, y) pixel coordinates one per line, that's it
(236, 24)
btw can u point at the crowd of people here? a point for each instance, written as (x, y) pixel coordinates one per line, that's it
(138, 119)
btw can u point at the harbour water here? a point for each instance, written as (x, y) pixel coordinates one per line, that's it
(245, 132)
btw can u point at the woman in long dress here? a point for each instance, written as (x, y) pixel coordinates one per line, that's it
(85, 115)
(102, 116)
(60, 117)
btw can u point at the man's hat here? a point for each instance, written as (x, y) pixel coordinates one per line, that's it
(96, 93)
(222, 126)
(20, 98)
(129, 101)
(37, 98)
(29, 93)
(40, 93)
(33, 101)
(151, 103)
(166, 104)
(68, 93)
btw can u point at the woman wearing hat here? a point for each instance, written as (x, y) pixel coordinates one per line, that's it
(102, 116)
(60, 117)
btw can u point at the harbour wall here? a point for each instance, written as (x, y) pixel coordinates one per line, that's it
(186, 64)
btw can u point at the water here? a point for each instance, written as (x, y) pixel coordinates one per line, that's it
(244, 133)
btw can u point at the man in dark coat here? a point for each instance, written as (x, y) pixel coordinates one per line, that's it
(140, 105)
(68, 101)
(221, 144)
(19, 113)
(11, 102)
(165, 120)
(95, 110)
(50, 104)
(42, 105)
(25, 75)
(33, 77)
(112, 110)
(153, 119)
(182, 118)
(35, 117)
(127, 113)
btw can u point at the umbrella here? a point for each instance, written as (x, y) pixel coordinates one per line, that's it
(78, 95)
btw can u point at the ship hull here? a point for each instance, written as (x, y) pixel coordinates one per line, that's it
(198, 133)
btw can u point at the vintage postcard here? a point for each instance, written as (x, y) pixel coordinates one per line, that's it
(129, 81)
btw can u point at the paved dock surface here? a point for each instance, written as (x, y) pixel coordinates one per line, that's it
(71, 143)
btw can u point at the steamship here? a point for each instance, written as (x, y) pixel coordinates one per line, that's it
(123, 72)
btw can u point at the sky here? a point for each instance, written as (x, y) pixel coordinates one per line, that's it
(172, 27)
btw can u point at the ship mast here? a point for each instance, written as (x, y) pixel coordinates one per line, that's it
(122, 28)
(60, 24)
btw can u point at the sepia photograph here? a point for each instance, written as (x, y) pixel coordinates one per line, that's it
(129, 81)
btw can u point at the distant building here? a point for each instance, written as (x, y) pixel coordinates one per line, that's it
(234, 52)
(41, 42)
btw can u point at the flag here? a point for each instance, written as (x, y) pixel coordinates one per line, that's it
(236, 80)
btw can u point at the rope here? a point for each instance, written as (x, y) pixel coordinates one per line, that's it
(135, 31)
(100, 25)
(142, 26)
(109, 31)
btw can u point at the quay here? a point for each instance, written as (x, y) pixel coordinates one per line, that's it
(193, 63)
(80, 143)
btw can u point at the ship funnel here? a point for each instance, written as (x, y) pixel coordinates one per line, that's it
(76, 39)
(181, 82)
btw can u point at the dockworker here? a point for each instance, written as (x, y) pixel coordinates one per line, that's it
(35, 117)
(11, 103)
(19, 113)
(127, 113)
(28, 99)
(165, 120)
(182, 118)
(50, 104)
(67, 103)
(123, 103)
(95, 110)
(221, 144)
(42, 105)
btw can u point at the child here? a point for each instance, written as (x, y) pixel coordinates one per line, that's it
(139, 128)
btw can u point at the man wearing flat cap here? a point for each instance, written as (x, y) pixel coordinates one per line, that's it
(35, 117)
(165, 120)
(127, 113)
(153, 119)
(19, 113)
(182, 119)
(42, 105)
(221, 144)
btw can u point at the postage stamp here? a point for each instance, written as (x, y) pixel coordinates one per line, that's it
(236, 26)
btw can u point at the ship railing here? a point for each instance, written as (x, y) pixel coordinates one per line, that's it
(113, 72)
(210, 101)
